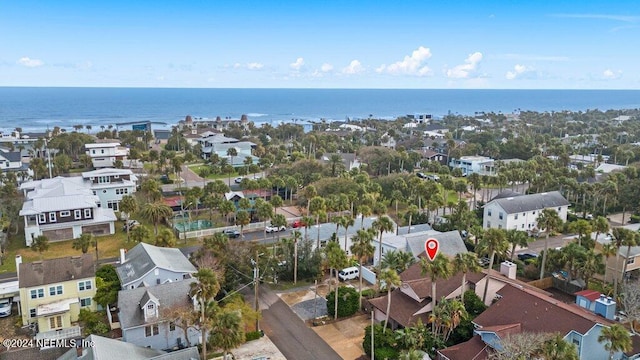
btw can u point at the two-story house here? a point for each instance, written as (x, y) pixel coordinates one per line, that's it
(522, 310)
(10, 160)
(106, 154)
(110, 185)
(215, 143)
(521, 212)
(474, 164)
(146, 315)
(146, 265)
(53, 291)
(62, 209)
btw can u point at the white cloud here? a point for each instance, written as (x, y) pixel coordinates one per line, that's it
(297, 65)
(326, 67)
(355, 67)
(237, 66)
(610, 74)
(410, 65)
(463, 71)
(518, 70)
(28, 62)
(255, 66)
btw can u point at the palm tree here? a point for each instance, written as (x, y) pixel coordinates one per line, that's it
(464, 263)
(494, 241)
(608, 250)
(516, 238)
(362, 249)
(156, 212)
(616, 338)
(549, 221)
(398, 260)
(83, 243)
(557, 348)
(631, 239)
(40, 244)
(439, 268)
(317, 206)
(307, 222)
(336, 259)
(391, 279)
(205, 290)
(166, 238)
(600, 225)
(231, 153)
(243, 219)
(411, 209)
(128, 204)
(346, 221)
(226, 331)
(589, 265)
(365, 210)
(380, 225)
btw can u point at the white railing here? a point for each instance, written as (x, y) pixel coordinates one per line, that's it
(209, 232)
(67, 333)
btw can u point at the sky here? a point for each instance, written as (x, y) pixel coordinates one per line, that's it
(412, 44)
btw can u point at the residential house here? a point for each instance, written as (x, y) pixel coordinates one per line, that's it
(161, 135)
(110, 185)
(10, 160)
(521, 212)
(474, 164)
(145, 318)
(147, 265)
(62, 209)
(53, 291)
(523, 310)
(105, 154)
(615, 264)
(349, 160)
(388, 141)
(23, 143)
(435, 156)
(451, 243)
(440, 145)
(219, 144)
(218, 124)
(96, 347)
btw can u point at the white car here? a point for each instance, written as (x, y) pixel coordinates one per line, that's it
(238, 180)
(5, 307)
(271, 228)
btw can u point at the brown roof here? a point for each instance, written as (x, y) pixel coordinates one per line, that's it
(470, 350)
(53, 271)
(504, 330)
(536, 312)
(402, 308)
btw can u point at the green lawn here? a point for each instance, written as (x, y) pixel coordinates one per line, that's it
(196, 169)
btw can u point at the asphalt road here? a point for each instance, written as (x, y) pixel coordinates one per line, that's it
(288, 332)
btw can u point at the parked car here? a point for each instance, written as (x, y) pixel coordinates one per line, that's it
(421, 175)
(433, 177)
(5, 307)
(238, 180)
(526, 256)
(130, 224)
(484, 261)
(298, 224)
(271, 228)
(232, 233)
(349, 273)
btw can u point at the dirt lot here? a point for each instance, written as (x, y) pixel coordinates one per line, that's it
(345, 336)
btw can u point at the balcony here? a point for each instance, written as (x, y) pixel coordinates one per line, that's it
(67, 333)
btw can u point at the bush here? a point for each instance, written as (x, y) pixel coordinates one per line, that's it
(347, 301)
(253, 335)
(634, 219)
(380, 340)
(94, 322)
(386, 353)
(368, 293)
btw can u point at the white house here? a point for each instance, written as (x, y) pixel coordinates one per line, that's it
(215, 143)
(521, 212)
(451, 243)
(474, 164)
(10, 160)
(110, 185)
(105, 154)
(62, 209)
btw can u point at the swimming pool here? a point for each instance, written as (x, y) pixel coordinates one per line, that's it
(193, 225)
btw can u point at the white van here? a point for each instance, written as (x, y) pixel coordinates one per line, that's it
(349, 273)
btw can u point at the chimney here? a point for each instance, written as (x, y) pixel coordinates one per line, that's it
(18, 262)
(508, 269)
(79, 348)
(122, 257)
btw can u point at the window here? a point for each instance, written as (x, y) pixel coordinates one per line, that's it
(87, 213)
(631, 260)
(102, 151)
(151, 330)
(77, 214)
(112, 204)
(172, 326)
(533, 213)
(93, 151)
(488, 224)
(103, 180)
(522, 227)
(84, 285)
(55, 290)
(558, 209)
(150, 307)
(516, 217)
(37, 293)
(52, 216)
(95, 192)
(55, 322)
(489, 213)
(499, 226)
(85, 302)
(576, 342)
(500, 216)
(42, 218)
(32, 313)
(65, 213)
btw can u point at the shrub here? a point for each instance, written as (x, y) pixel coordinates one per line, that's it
(347, 301)
(253, 335)
(380, 340)
(386, 353)
(94, 322)
(368, 293)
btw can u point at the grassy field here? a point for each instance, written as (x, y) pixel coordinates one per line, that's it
(108, 247)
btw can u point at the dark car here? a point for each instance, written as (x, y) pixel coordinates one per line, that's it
(421, 175)
(232, 233)
(525, 257)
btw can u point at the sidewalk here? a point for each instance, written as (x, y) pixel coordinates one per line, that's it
(261, 348)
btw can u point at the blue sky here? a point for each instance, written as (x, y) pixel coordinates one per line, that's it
(321, 44)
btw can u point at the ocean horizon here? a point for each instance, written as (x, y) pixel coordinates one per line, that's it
(39, 108)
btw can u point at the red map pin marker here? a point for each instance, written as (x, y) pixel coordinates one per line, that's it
(432, 246)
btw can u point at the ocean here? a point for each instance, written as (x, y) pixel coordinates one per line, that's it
(36, 109)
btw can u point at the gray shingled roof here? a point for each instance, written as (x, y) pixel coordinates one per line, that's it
(145, 257)
(531, 202)
(451, 242)
(106, 348)
(184, 354)
(168, 294)
(58, 270)
(13, 156)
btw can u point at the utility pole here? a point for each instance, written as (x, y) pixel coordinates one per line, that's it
(256, 283)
